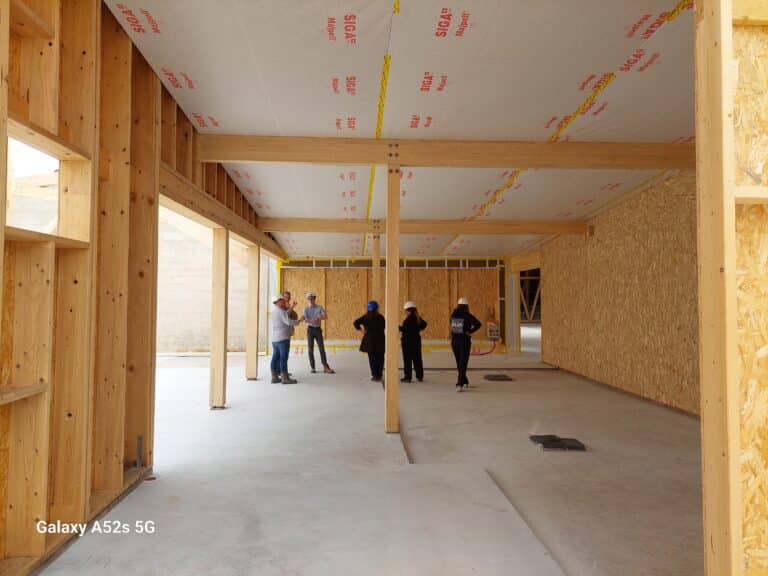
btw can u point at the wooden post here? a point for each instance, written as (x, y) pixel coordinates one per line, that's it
(220, 281)
(376, 268)
(252, 322)
(391, 409)
(718, 378)
(513, 337)
(5, 14)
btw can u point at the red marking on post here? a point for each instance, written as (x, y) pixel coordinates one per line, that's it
(200, 119)
(443, 23)
(350, 28)
(131, 18)
(637, 55)
(171, 77)
(636, 26)
(151, 21)
(601, 109)
(188, 80)
(330, 28)
(650, 62)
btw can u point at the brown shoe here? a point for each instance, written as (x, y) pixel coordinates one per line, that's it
(329, 370)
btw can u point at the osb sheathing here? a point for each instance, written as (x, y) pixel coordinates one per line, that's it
(346, 294)
(620, 307)
(299, 281)
(481, 287)
(751, 105)
(752, 331)
(428, 290)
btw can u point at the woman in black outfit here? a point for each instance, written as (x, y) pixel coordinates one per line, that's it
(372, 324)
(411, 329)
(463, 325)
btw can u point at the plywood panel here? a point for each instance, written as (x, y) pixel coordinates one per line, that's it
(299, 281)
(752, 318)
(481, 287)
(621, 307)
(345, 300)
(751, 106)
(429, 290)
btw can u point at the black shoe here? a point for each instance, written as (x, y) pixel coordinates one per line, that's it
(313, 370)
(405, 380)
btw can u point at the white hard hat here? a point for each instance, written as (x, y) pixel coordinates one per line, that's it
(464, 301)
(409, 304)
(311, 295)
(277, 298)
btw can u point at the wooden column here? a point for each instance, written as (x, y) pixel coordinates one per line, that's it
(5, 14)
(252, 322)
(513, 337)
(376, 268)
(112, 239)
(220, 282)
(718, 378)
(142, 262)
(391, 409)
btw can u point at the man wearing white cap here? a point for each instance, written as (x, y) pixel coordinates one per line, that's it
(463, 325)
(314, 314)
(410, 330)
(282, 329)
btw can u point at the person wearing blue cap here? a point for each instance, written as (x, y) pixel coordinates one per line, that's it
(372, 324)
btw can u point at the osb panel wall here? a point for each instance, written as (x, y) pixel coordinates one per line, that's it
(481, 287)
(621, 307)
(751, 131)
(299, 281)
(752, 330)
(429, 290)
(346, 296)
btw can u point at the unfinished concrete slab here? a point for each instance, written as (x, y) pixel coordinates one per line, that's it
(299, 480)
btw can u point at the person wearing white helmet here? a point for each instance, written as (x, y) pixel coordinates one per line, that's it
(410, 339)
(282, 329)
(463, 325)
(314, 314)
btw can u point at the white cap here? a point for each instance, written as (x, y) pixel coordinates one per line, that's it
(463, 300)
(311, 295)
(277, 299)
(409, 304)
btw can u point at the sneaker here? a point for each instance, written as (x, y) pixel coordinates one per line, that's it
(329, 370)
(459, 387)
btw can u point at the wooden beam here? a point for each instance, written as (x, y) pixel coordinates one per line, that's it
(142, 263)
(219, 312)
(752, 194)
(718, 378)
(525, 261)
(456, 227)
(186, 194)
(750, 13)
(28, 23)
(112, 238)
(449, 153)
(391, 374)
(376, 268)
(252, 323)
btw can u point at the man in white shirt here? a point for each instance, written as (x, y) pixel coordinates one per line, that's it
(282, 329)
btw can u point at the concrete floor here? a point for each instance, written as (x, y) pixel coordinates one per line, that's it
(300, 479)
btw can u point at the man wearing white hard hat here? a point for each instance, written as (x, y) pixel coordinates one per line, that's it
(463, 325)
(410, 339)
(314, 314)
(282, 329)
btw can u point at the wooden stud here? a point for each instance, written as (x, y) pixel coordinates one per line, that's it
(252, 323)
(219, 297)
(391, 408)
(210, 170)
(449, 153)
(221, 184)
(198, 175)
(168, 128)
(717, 289)
(184, 153)
(4, 37)
(75, 181)
(28, 23)
(34, 278)
(231, 191)
(112, 242)
(142, 262)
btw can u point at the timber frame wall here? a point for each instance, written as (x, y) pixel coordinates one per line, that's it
(78, 320)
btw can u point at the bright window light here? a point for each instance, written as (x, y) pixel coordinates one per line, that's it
(33, 188)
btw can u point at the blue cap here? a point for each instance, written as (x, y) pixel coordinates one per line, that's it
(373, 305)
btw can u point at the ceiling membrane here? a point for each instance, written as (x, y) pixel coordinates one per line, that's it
(492, 70)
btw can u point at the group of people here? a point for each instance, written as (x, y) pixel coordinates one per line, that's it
(372, 324)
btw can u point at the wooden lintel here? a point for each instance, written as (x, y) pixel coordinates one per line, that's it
(182, 191)
(750, 13)
(525, 261)
(448, 153)
(474, 227)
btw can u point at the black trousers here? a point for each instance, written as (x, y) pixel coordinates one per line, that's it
(376, 362)
(461, 349)
(314, 333)
(412, 360)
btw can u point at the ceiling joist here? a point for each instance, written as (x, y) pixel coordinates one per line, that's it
(445, 153)
(439, 227)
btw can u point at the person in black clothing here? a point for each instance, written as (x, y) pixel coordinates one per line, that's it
(372, 324)
(463, 324)
(411, 329)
